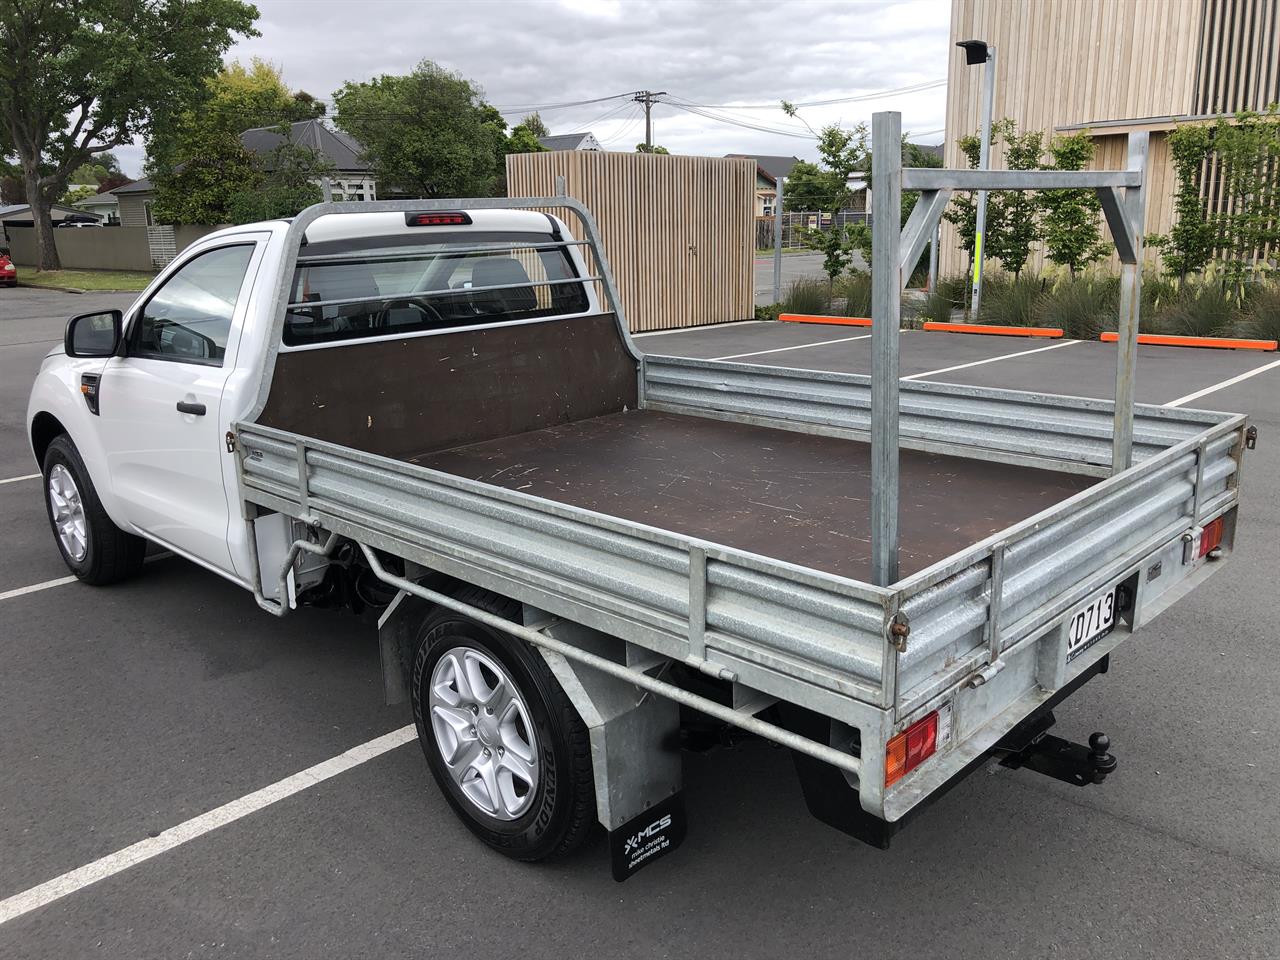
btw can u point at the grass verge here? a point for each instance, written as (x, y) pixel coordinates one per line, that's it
(85, 279)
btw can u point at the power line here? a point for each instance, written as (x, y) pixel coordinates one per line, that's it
(875, 95)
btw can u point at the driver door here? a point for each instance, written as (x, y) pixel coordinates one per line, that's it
(160, 401)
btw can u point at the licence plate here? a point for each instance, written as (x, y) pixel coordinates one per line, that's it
(1091, 623)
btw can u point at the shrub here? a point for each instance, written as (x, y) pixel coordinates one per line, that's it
(1261, 317)
(768, 311)
(946, 297)
(807, 295)
(855, 289)
(1203, 310)
(1011, 302)
(1083, 308)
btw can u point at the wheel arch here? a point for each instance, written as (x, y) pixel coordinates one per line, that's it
(45, 427)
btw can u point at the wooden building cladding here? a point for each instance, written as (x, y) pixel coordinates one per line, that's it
(1112, 66)
(679, 232)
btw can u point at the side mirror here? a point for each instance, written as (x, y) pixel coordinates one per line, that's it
(93, 334)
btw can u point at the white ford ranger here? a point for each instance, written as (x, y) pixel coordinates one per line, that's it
(433, 412)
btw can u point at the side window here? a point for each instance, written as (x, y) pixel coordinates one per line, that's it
(188, 319)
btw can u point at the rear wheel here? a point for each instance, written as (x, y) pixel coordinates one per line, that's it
(96, 550)
(504, 743)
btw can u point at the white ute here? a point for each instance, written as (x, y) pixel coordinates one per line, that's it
(432, 413)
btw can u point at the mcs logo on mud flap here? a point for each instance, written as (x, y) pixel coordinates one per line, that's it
(642, 835)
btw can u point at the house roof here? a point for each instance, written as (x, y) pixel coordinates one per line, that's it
(137, 186)
(20, 209)
(774, 166)
(932, 148)
(341, 150)
(565, 141)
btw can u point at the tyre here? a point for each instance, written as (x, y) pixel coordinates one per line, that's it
(506, 747)
(96, 550)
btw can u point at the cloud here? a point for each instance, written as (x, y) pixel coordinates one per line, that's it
(708, 52)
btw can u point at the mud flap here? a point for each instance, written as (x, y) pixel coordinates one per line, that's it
(646, 838)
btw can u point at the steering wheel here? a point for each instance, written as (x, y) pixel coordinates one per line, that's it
(429, 313)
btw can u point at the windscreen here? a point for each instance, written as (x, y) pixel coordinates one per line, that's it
(408, 283)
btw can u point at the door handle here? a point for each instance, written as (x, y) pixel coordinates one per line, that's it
(198, 409)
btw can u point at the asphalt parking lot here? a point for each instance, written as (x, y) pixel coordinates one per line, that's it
(128, 710)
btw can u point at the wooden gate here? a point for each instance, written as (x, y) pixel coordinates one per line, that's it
(679, 232)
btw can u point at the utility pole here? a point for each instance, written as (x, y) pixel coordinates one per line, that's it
(648, 98)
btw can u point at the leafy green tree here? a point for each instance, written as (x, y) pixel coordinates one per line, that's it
(535, 125)
(843, 153)
(523, 139)
(215, 168)
(962, 212)
(1248, 223)
(1070, 218)
(81, 192)
(646, 148)
(808, 187)
(201, 170)
(427, 134)
(1012, 225)
(289, 183)
(102, 167)
(81, 77)
(1188, 246)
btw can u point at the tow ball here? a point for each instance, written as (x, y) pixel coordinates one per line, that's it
(1061, 759)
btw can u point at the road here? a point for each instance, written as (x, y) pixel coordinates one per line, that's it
(128, 710)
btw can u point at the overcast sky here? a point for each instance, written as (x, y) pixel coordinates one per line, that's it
(720, 53)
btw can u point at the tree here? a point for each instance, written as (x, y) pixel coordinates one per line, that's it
(199, 190)
(289, 184)
(427, 134)
(535, 125)
(843, 152)
(202, 171)
(808, 187)
(1188, 246)
(82, 192)
(523, 139)
(962, 212)
(102, 167)
(654, 148)
(81, 77)
(1012, 226)
(1069, 218)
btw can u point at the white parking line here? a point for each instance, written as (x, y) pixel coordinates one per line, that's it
(35, 588)
(48, 584)
(1224, 384)
(713, 326)
(798, 346)
(26, 476)
(979, 363)
(81, 877)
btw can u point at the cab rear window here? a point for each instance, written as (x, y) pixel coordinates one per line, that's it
(375, 287)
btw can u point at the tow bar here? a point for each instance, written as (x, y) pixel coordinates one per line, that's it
(1054, 757)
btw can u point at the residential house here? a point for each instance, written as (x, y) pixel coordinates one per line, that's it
(352, 178)
(134, 202)
(768, 170)
(1111, 69)
(571, 141)
(19, 214)
(105, 206)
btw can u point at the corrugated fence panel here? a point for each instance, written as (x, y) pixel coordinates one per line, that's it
(679, 232)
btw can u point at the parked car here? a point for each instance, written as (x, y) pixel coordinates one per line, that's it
(8, 271)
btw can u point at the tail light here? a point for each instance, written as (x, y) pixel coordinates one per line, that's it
(1211, 536)
(437, 219)
(911, 748)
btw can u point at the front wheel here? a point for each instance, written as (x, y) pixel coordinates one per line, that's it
(96, 550)
(505, 745)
